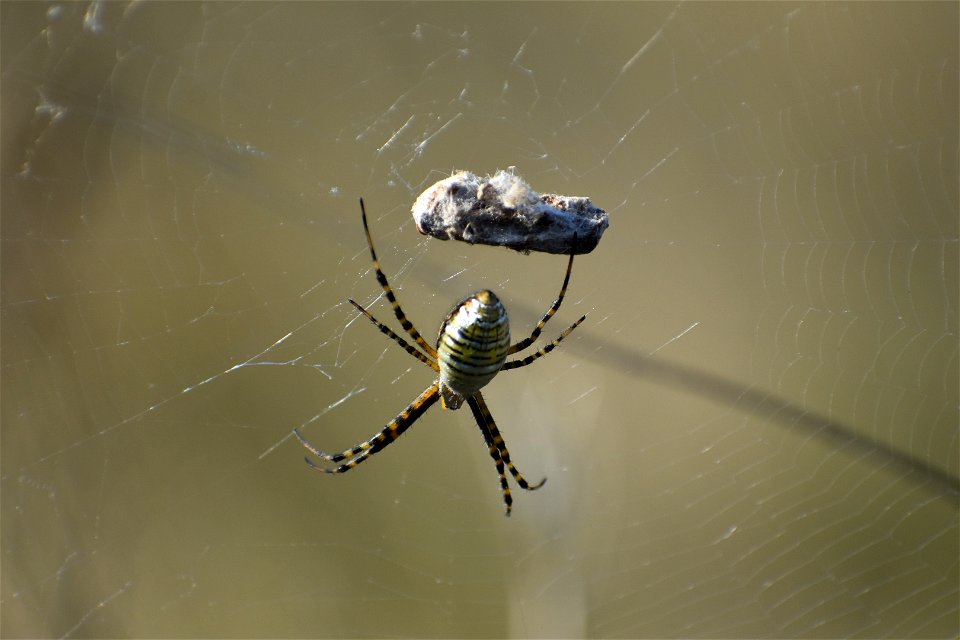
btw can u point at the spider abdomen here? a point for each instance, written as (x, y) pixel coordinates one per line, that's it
(472, 346)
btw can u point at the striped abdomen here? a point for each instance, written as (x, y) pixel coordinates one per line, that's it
(472, 347)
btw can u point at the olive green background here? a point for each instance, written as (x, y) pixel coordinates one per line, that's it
(754, 434)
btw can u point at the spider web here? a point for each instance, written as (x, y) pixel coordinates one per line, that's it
(755, 432)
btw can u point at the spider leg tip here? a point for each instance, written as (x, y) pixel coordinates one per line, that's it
(314, 465)
(534, 486)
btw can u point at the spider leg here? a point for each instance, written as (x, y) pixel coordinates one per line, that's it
(494, 453)
(382, 279)
(514, 364)
(387, 435)
(526, 342)
(349, 464)
(409, 348)
(498, 449)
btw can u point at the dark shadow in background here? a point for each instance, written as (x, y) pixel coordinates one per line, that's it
(765, 404)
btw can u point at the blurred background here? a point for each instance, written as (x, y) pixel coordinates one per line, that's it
(754, 433)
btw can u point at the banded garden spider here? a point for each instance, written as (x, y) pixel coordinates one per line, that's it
(472, 347)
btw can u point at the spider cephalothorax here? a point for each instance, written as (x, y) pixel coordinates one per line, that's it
(472, 347)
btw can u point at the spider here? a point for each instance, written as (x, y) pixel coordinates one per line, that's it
(472, 347)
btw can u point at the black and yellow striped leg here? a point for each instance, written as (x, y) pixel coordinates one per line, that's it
(409, 348)
(382, 279)
(491, 425)
(498, 448)
(526, 342)
(494, 450)
(389, 434)
(514, 364)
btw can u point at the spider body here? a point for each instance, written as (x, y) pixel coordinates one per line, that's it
(472, 347)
